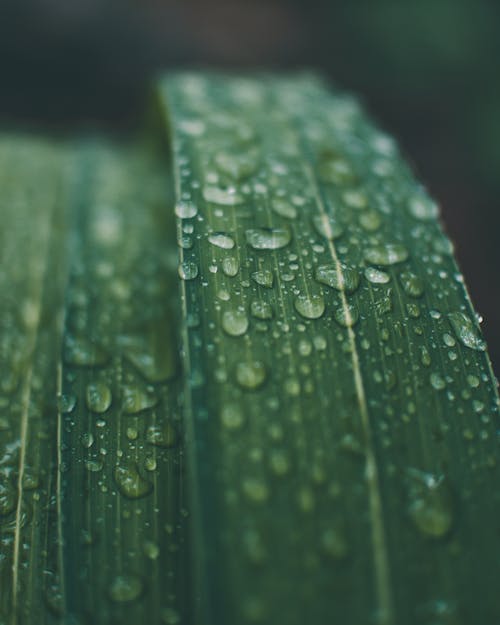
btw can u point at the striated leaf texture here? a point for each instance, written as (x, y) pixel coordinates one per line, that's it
(340, 405)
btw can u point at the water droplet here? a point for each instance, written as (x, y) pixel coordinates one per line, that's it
(261, 309)
(235, 322)
(334, 543)
(8, 497)
(188, 270)
(412, 284)
(250, 374)
(279, 462)
(338, 276)
(334, 169)
(264, 278)
(268, 238)
(466, 331)
(151, 550)
(346, 316)
(84, 353)
(230, 266)
(370, 221)
(98, 396)
(437, 381)
(237, 166)
(388, 254)
(222, 240)
(430, 503)
(186, 210)
(232, 416)
(255, 490)
(125, 588)
(422, 207)
(130, 482)
(162, 435)
(283, 208)
(87, 439)
(473, 381)
(376, 276)
(327, 226)
(310, 306)
(170, 616)
(224, 197)
(66, 402)
(136, 399)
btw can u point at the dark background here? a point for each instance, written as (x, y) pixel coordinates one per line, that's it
(428, 70)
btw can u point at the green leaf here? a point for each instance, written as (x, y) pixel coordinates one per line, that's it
(343, 446)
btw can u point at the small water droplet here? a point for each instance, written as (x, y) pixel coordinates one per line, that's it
(338, 276)
(430, 503)
(412, 284)
(370, 221)
(84, 353)
(437, 381)
(162, 435)
(237, 165)
(130, 482)
(255, 490)
(188, 270)
(261, 309)
(376, 276)
(250, 374)
(98, 396)
(230, 266)
(136, 399)
(283, 208)
(232, 416)
(264, 278)
(388, 254)
(66, 402)
(125, 588)
(222, 240)
(327, 226)
(466, 331)
(422, 207)
(310, 306)
(235, 322)
(268, 238)
(186, 210)
(346, 316)
(224, 197)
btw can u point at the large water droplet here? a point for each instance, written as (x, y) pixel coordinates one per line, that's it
(130, 482)
(235, 322)
(264, 277)
(466, 331)
(310, 306)
(125, 588)
(250, 374)
(388, 254)
(327, 226)
(222, 240)
(338, 276)
(98, 397)
(268, 238)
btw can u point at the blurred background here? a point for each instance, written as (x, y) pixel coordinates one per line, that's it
(428, 71)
